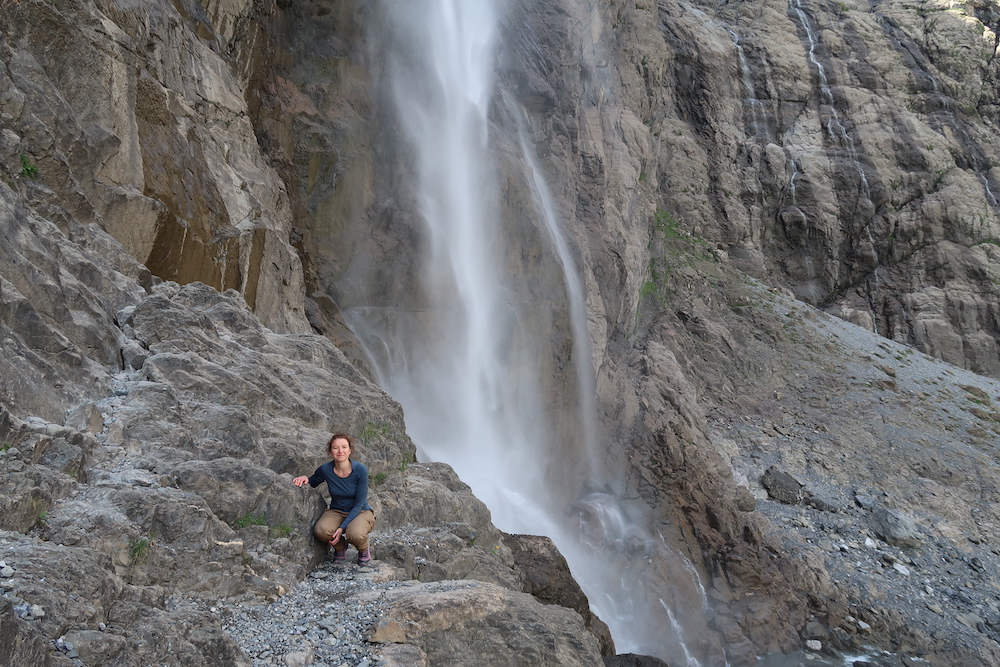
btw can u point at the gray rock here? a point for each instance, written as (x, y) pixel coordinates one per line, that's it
(895, 527)
(782, 487)
(403, 655)
(478, 618)
(864, 500)
(633, 660)
(299, 658)
(20, 644)
(547, 577)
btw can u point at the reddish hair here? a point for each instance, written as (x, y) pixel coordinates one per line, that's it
(341, 436)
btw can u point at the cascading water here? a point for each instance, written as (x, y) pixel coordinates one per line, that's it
(758, 117)
(574, 292)
(838, 133)
(466, 349)
(834, 126)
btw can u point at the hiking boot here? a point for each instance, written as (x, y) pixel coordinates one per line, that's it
(339, 556)
(364, 556)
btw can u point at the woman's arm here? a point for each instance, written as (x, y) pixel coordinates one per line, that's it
(315, 480)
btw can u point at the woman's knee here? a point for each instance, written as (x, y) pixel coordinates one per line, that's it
(360, 528)
(327, 525)
(356, 533)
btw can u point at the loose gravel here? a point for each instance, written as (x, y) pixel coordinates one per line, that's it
(322, 622)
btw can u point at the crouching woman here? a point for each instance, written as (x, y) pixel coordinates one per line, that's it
(350, 518)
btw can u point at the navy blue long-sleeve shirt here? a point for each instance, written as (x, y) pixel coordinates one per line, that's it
(347, 494)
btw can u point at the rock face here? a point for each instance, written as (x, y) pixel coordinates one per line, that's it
(158, 386)
(138, 123)
(839, 152)
(452, 621)
(548, 578)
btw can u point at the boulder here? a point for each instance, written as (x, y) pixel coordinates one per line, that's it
(782, 487)
(547, 577)
(433, 528)
(451, 621)
(895, 527)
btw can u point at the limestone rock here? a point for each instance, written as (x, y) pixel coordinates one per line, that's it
(432, 494)
(117, 146)
(895, 527)
(403, 655)
(448, 621)
(547, 577)
(19, 643)
(435, 529)
(46, 575)
(633, 660)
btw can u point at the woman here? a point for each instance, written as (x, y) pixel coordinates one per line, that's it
(350, 516)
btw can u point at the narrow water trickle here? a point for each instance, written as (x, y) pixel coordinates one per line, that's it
(837, 132)
(469, 346)
(835, 128)
(758, 119)
(582, 357)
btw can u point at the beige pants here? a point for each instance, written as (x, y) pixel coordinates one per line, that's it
(356, 533)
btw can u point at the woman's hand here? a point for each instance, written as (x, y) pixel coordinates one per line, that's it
(336, 536)
(301, 480)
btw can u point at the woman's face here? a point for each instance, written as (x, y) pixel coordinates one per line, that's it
(340, 450)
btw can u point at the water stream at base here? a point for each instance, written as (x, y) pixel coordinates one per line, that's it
(465, 352)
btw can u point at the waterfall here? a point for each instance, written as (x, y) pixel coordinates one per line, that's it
(453, 353)
(834, 126)
(583, 363)
(757, 115)
(922, 70)
(838, 133)
(468, 345)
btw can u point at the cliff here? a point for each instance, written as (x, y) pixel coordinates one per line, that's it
(195, 193)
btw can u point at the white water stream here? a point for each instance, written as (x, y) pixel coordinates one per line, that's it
(470, 354)
(838, 133)
(758, 116)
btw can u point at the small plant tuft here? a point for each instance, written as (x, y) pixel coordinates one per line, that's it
(372, 430)
(250, 520)
(379, 478)
(28, 170)
(284, 530)
(138, 549)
